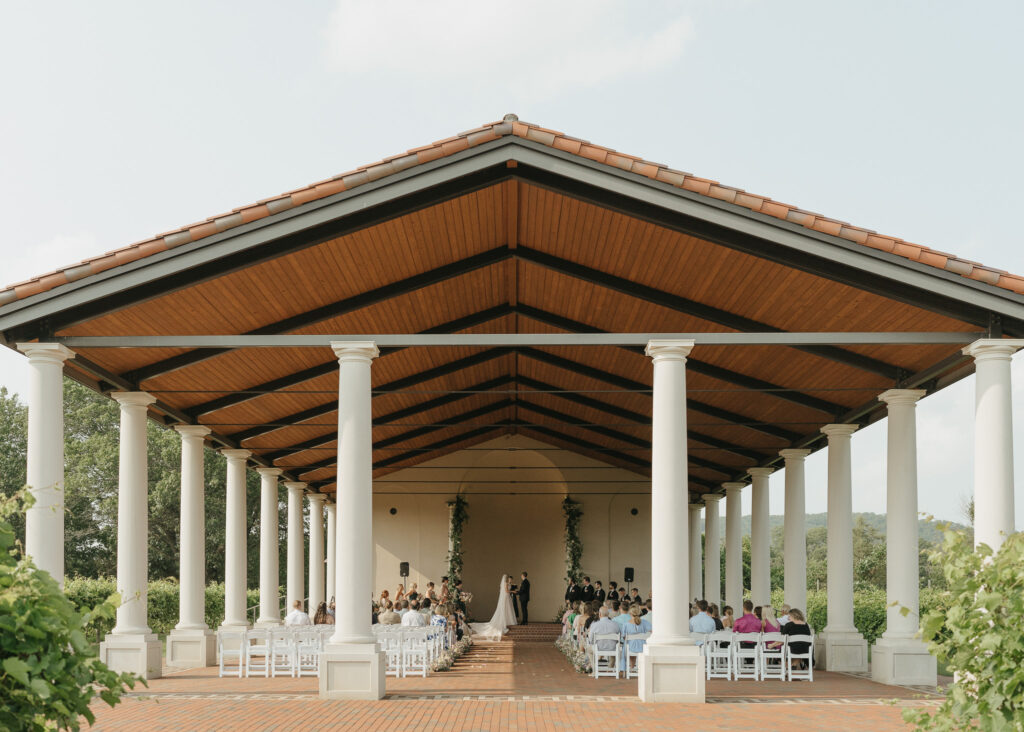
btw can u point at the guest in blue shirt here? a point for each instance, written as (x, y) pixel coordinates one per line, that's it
(702, 622)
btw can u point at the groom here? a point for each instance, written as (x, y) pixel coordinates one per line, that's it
(524, 597)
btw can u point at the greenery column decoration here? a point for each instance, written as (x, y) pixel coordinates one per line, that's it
(572, 511)
(459, 516)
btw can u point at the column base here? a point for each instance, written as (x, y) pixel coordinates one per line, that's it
(903, 662)
(137, 654)
(671, 674)
(845, 651)
(267, 624)
(352, 671)
(191, 648)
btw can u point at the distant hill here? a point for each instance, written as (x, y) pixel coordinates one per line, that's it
(927, 530)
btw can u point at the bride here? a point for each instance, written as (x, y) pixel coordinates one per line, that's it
(502, 618)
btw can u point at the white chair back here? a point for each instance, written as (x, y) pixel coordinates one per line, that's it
(610, 656)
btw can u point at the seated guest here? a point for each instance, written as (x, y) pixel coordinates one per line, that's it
(414, 617)
(403, 608)
(603, 626)
(579, 622)
(757, 614)
(770, 625)
(297, 616)
(748, 622)
(727, 618)
(389, 616)
(425, 607)
(784, 615)
(321, 617)
(623, 617)
(702, 623)
(713, 612)
(599, 593)
(612, 608)
(635, 624)
(439, 616)
(797, 626)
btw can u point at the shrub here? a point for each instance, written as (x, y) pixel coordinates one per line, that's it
(974, 627)
(49, 672)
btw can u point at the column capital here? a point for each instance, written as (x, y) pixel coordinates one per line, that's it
(991, 348)
(901, 396)
(295, 485)
(734, 487)
(269, 472)
(192, 430)
(360, 351)
(132, 398)
(49, 352)
(236, 454)
(760, 472)
(696, 507)
(712, 497)
(669, 350)
(839, 430)
(317, 498)
(793, 454)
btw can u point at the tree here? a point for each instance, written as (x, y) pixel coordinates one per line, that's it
(49, 672)
(13, 451)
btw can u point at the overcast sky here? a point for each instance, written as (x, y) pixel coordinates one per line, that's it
(122, 120)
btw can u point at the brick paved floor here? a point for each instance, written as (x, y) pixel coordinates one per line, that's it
(505, 686)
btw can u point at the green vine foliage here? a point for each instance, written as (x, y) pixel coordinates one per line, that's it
(977, 632)
(572, 511)
(49, 672)
(459, 517)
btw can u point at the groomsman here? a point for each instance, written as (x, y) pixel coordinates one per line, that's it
(599, 593)
(572, 593)
(587, 591)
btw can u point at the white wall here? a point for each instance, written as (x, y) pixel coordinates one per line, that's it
(514, 487)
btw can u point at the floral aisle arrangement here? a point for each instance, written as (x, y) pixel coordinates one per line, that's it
(446, 660)
(579, 659)
(573, 512)
(459, 516)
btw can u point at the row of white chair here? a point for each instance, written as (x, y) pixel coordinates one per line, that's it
(280, 651)
(757, 656)
(614, 658)
(411, 651)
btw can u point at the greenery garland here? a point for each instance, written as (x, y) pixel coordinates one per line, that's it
(459, 517)
(573, 511)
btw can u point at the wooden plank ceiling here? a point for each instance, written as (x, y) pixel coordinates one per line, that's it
(571, 266)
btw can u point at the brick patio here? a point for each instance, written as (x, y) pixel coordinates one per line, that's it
(508, 686)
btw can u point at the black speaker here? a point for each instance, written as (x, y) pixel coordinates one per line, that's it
(403, 569)
(629, 575)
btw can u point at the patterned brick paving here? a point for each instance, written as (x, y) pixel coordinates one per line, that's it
(506, 686)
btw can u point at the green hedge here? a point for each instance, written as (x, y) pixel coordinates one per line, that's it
(868, 609)
(163, 603)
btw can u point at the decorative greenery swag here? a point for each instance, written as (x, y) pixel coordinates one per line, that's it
(573, 511)
(459, 517)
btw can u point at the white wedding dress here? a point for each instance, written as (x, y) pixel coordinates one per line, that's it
(503, 616)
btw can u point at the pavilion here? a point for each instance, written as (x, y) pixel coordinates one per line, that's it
(685, 336)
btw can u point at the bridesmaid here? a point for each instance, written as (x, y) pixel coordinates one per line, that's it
(400, 593)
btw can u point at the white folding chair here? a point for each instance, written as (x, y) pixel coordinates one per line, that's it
(718, 655)
(791, 656)
(282, 652)
(414, 654)
(257, 652)
(391, 644)
(745, 651)
(307, 653)
(610, 656)
(633, 669)
(231, 646)
(772, 656)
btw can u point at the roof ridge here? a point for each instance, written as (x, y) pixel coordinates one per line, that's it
(510, 124)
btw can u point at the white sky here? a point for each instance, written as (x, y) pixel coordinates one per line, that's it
(123, 119)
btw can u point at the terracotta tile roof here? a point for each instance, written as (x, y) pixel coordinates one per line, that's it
(511, 125)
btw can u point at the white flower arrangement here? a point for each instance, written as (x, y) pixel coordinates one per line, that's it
(466, 596)
(579, 659)
(446, 660)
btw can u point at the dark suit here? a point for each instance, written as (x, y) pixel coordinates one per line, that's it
(573, 595)
(587, 593)
(599, 595)
(524, 599)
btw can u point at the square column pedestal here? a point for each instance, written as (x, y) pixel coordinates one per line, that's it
(904, 662)
(191, 648)
(352, 671)
(841, 651)
(671, 674)
(138, 654)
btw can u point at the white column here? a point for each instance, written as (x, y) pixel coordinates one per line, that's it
(44, 522)
(316, 550)
(351, 666)
(131, 645)
(760, 538)
(192, 643)
(270, 573)
(332, 543)
(296, 569)
(898, 657)
(671, 668)
(712, 550)
(842, 647)
(696, 587)
(794, 541)
(993, 440)
(734, 546)
(235, 534)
